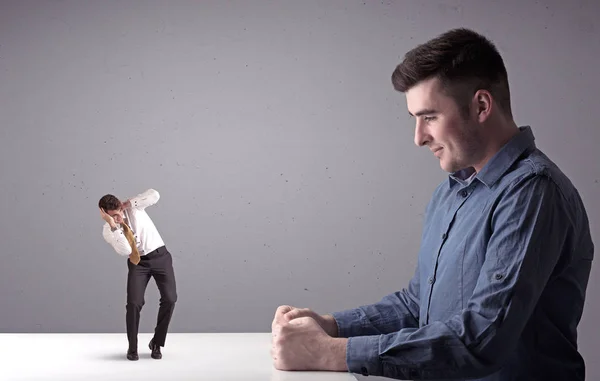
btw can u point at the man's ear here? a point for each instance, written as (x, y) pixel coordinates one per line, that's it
(484, 103)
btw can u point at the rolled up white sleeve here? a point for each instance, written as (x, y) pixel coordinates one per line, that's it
(145, 199)
(117, 240)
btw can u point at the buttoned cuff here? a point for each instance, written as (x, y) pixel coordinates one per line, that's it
(362, 355)
(349, 323)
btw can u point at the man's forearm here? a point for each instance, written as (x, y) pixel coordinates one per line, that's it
(117, 240)
(394, 312)
(335, 355)
(330, 325)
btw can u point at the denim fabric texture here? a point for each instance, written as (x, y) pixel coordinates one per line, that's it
(500, 283)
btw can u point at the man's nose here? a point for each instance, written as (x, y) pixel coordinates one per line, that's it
(420, 134)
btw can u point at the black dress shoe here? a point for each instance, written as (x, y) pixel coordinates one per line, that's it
(155, 348)
(132, 355)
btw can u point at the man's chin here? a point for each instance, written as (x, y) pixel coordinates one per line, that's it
(449, 167)
(445, 167)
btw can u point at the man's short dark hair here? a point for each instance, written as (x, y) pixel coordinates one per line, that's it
(464, 62)
(109, 202)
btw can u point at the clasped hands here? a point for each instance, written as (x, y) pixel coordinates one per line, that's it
(305, 340)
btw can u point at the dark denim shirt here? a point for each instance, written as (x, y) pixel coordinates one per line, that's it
(500, 283)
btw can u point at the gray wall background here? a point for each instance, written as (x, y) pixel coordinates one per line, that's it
(283, 156)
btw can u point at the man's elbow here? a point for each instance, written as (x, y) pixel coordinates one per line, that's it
(486, 361)
(153, 195)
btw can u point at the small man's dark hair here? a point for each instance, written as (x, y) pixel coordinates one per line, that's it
(109, 202)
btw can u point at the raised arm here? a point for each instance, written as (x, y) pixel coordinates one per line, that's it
(116, 238)
(145, 199)
(527, 240)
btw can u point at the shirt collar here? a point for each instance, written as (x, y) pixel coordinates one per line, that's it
(497, 166)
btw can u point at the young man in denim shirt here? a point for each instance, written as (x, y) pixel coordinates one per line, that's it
(505, 255)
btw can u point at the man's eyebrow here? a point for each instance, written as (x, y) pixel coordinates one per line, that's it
(426, 111)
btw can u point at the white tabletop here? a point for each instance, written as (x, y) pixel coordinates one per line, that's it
(186, 356)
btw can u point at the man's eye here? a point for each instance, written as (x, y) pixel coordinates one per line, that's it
(429, 118)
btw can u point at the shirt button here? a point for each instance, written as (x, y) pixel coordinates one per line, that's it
(430, 280)
(444, 236)
(464, 193)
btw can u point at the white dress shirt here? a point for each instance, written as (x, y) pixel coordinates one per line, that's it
(145, 233)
